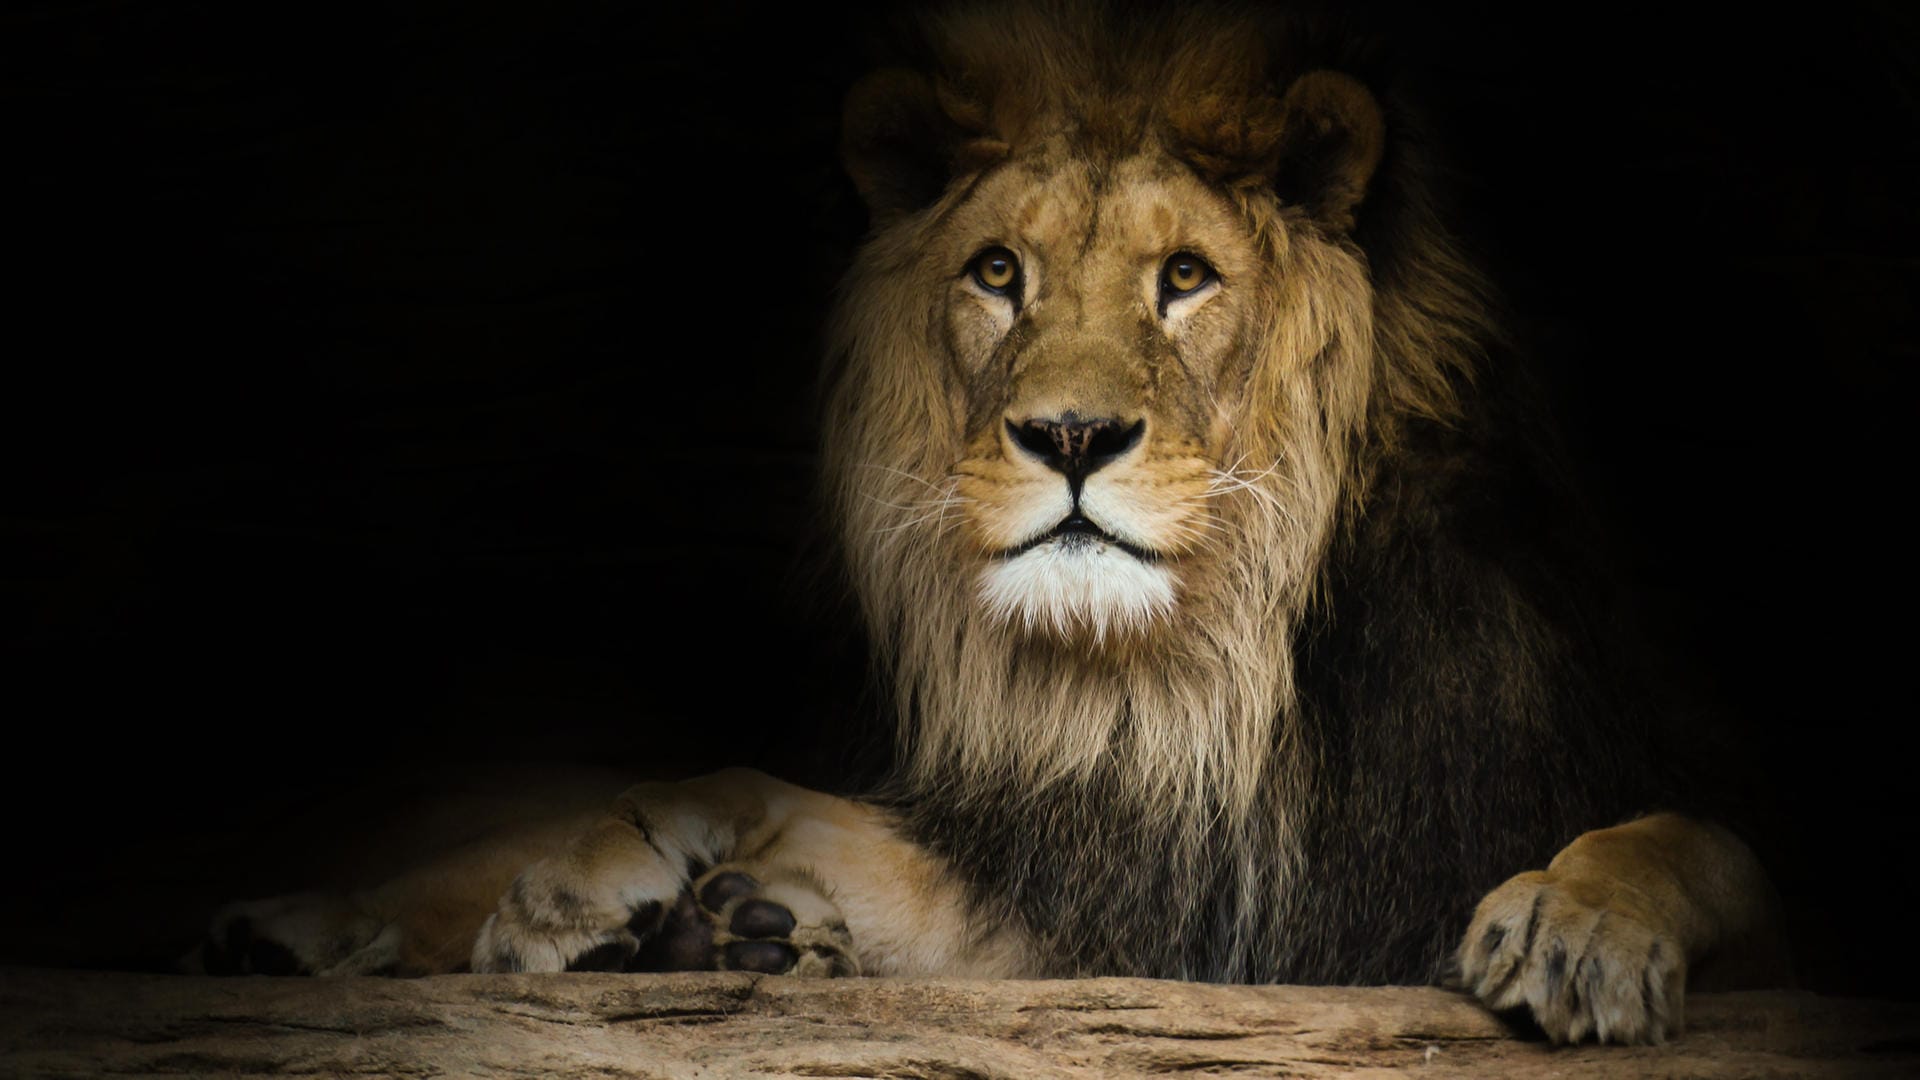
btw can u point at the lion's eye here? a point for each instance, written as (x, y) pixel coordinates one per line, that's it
(1183, 274)
(995, 269)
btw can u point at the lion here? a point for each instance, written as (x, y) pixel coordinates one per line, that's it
(1221, 577)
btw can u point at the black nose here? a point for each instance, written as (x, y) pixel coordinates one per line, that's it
(1077, 448)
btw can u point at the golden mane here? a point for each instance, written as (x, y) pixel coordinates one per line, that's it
(1359, 332)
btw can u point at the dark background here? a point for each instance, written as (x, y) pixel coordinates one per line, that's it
(393, 389)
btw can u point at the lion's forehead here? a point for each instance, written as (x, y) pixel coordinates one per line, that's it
(1081, 212)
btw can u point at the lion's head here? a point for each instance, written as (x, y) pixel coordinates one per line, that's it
(1115, 363)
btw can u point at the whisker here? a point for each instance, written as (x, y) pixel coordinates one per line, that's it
(891, 506)
(934, 509)
(907, 475)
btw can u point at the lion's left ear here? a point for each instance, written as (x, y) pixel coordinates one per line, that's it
(1332, 134)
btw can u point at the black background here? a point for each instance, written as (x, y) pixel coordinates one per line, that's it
(390, 389)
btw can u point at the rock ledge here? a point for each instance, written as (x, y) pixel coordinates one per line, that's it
(65, 1023)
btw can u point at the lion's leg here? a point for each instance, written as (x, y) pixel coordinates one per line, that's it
(739, 870)
(421, 922)
(1603, 940)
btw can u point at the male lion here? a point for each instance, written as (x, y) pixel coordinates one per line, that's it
(1229, 606)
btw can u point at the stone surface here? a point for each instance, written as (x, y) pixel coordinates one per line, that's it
(62, 1023)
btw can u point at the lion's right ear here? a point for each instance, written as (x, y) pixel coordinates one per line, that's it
(1332, 134)
(901, 141)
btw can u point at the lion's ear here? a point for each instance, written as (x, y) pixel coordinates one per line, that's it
(901, 141)
(1331, 137)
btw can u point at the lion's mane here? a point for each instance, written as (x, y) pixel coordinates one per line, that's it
(1383, 700)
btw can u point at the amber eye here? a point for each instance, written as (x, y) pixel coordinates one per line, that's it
(1183, 274)
(996, 269)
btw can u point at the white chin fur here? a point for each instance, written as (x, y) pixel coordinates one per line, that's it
(1078, 584)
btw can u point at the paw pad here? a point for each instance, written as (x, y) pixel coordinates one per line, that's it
(769, 957)
(725, 885)
(758, 918)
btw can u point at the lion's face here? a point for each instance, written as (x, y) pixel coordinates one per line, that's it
(1073, 378)
(1090, 317)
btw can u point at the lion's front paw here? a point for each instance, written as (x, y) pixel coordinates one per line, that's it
(730, 918)
(1580, 966)
(300, 934)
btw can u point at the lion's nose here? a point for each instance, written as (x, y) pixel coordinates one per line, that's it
(1075, 447)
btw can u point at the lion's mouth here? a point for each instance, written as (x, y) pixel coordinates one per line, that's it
(1078, 531)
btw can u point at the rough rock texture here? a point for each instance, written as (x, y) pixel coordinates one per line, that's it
(727, 1024)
